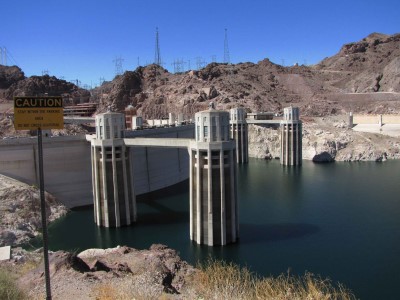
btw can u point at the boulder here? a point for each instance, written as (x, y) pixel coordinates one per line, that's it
(323, 157)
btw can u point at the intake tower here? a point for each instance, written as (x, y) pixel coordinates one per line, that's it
(291, 137)
(213, 196)
(238, 132)
(113, 193)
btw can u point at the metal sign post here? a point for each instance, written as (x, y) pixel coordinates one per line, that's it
(44, 219)
(37, 113)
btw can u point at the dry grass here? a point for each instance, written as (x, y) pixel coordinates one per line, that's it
(106, 291)
(139, 287)
(222, 280)
(8, 286)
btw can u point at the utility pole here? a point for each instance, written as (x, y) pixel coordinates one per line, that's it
(227, 59)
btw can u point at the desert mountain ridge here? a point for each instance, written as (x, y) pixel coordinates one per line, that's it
(363, 76)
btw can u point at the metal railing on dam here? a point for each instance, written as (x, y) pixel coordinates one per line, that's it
(67, 164)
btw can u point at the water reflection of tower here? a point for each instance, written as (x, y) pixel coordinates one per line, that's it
(213, 196)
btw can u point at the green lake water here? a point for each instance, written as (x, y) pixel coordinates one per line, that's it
(339, 220)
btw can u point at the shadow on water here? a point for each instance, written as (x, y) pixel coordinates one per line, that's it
(172, 217)
(255, 233)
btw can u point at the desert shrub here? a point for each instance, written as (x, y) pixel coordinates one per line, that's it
(8, 287)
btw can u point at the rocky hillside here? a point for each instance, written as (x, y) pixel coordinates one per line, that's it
(363, 77)
(14, 83)
(370, 65)
(20, 218)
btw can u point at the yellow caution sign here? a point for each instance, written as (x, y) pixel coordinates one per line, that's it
(38, 112)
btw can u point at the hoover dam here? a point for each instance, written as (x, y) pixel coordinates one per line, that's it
(67, 163)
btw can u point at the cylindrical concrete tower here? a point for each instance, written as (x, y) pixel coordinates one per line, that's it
(238, 132)
(350, 120)
(113, 193)
(213, 193)
(291, 137)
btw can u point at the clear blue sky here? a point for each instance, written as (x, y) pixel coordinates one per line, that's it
(80, 39)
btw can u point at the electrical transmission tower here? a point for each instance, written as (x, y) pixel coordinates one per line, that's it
(3, 56)
(118, 65)
(213, 58)
(157, 54)
(101, 81)
(77, 82)
(179, 66)
(200, 63)
(227, 59)
(45, 72)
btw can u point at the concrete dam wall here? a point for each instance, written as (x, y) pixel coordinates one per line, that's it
(67, 164)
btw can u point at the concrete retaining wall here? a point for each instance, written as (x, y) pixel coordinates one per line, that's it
(67, 166)
(376, 119)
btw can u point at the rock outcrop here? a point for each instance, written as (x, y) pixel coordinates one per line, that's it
(10, 76)
(20, 217)
(139, 273)
(14, 83)
(40, 85)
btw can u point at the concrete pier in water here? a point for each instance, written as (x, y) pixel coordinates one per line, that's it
(239, 133)
(213, 186)
(291, 137)
(113, 192)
